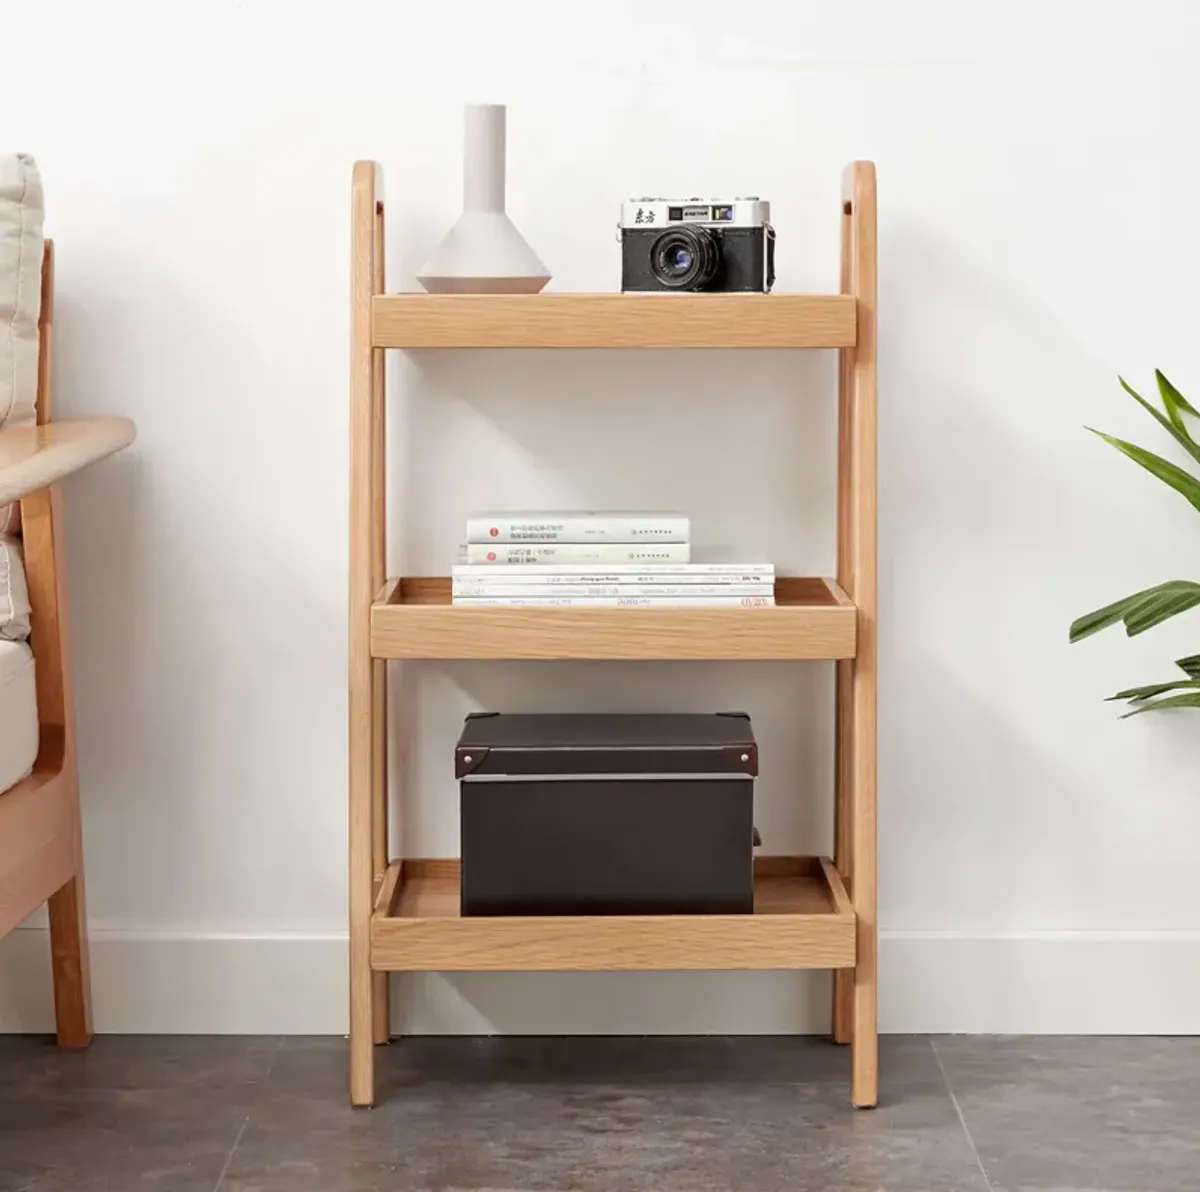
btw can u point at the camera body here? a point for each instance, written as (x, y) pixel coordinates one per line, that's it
(712, 245)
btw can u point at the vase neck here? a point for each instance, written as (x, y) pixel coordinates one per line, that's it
(483, 158)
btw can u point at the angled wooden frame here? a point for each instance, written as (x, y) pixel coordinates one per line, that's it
(412, 618)
(855, 994)
(41, 848)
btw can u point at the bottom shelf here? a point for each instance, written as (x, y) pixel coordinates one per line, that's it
(802, 919)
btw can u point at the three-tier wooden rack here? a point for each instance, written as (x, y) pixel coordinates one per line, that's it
(810, 912)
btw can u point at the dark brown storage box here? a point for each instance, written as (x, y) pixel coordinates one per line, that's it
(607, 814)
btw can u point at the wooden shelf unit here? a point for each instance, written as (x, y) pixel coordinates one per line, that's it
(810, 912)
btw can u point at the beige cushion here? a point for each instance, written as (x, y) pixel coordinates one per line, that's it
(14, 593)
(18, 713)
(21, 248)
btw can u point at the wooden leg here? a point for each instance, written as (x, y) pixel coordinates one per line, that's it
(863, 762)
(864, 1044)
(843, 1001)
(864, 1041)
(362, 1051)
(362, 888)
(864, 1029)
(364, 480)
(864, 1038)
(381, 985)
(69, 957)
(843, 979)
(381, 1018)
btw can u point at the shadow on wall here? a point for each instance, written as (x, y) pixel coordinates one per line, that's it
(184, 594)
(998, 518)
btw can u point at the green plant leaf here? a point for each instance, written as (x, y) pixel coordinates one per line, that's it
(1173, 400)
(1190, 700)
(1150, 607)
(1110, 614)
(1120, 610)
(1174, 599)
(1182, 482)
(1173, 426)
(1137, 694)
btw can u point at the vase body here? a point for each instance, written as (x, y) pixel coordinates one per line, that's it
(484, 253)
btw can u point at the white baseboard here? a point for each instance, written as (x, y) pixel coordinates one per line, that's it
(1033, 983)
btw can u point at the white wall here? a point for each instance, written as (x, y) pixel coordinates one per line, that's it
(1037, 181)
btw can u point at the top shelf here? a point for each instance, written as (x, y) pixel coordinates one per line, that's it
(613, 321)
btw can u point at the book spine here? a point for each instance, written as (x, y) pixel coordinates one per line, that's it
(629, 573)
(496, 554)
(684, 602)
(602, 528)
(532, 588)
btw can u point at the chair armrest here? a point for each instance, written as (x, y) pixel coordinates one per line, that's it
(33, 457)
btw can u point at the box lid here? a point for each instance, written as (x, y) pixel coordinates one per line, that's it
(606, 743)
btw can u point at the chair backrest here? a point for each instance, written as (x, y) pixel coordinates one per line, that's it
(41, 529)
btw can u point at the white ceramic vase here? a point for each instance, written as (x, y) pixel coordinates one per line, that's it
(483, 253)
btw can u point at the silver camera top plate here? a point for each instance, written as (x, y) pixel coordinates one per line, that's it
(713, 213)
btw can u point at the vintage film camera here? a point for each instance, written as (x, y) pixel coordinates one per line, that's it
(697, 244)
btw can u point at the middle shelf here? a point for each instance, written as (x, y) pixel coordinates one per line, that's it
(812, 619)
(802, 919)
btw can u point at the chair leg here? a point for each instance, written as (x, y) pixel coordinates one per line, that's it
(69, 959)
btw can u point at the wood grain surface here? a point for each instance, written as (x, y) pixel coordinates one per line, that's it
(33, 457)
(859, 190)
(37, 833)
(843, 981)
(381, 1015)
(363, 716)
(613, 321)
(814, 619)
(41, 842)
(796, 924)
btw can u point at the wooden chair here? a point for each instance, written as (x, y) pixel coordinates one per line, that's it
(41, 853)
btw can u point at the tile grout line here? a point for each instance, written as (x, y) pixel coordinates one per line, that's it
(962, 1121)
(246, 1120)
(229, 1157)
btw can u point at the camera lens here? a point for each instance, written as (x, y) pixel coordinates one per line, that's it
(685, 258)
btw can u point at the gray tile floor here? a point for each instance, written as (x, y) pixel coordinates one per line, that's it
(600, 1115)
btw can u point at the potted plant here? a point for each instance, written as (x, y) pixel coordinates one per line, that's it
(1143, 610)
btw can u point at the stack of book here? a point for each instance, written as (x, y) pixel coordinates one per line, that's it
(599, 560)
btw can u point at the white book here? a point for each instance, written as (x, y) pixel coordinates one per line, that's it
(613, 601)
(616, 573)
(510, 554)
(471, 587)
(578, 527)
